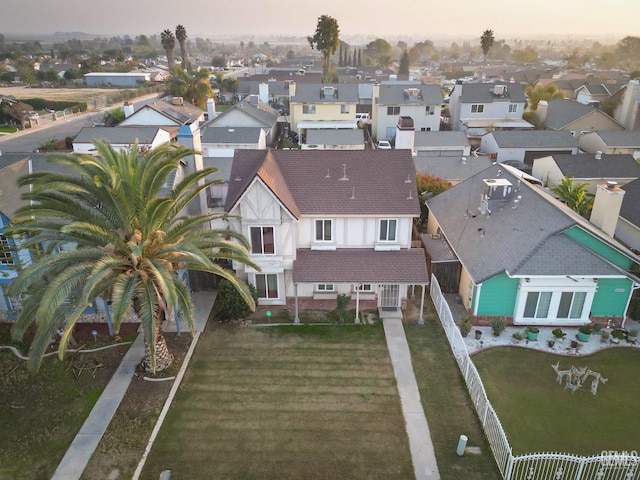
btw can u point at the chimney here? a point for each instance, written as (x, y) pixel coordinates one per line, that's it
(253, 100)
(128, 109)
(263, 92)
(211, 108)
(541, 111)
(292, 89)
(405, 133)
(606, 207)
(375, 91)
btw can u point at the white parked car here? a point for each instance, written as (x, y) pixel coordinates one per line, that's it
(383, 145)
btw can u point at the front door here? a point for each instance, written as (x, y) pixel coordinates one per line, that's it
(389, 297)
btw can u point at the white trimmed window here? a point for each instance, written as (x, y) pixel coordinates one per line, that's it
(267, 285)
(555, 305)
(513, 107)
(364, 287)
(325, 287)
(262, 240)
(344, 109)
(388, 230)
(309, 109)
(479, 108)
(6, 256)
(430, 110)
(393, 110)
(323, 231)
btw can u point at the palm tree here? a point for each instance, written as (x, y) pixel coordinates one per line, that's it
(168, 43)
(195, 89)
(181, 36)
(486, 42)
(130, 239)
(574, 195)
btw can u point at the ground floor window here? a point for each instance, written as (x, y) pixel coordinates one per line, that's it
(325, 287)
(267, 285)
(364, 287)
(554, 305)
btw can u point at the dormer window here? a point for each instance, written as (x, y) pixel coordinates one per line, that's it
(329, 92)
(413, 94)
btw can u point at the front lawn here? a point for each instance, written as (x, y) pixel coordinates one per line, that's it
(312, 402)
(7, 129)
(538, 414)
(40, 413)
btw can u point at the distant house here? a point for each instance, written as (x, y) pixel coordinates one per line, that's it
(442, 144)
(528, 259)
(625, 105)
(224, 141)
(322, 106)
(249, 113)
(479, 108)
(588, 168)
(423, 103)
(164, 112)
(320, 226)
(112, 79)
(564, 114)
(526, 145)
(626, 141)
(120, 138)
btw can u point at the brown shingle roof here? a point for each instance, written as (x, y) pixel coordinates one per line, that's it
(378, 182)
(360, 266)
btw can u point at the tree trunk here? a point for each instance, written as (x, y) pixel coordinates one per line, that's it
(164, 358)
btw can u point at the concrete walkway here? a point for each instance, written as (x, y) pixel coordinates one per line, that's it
(420, 444)
(86, 441)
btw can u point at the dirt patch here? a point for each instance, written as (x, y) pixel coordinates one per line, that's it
(69, 94)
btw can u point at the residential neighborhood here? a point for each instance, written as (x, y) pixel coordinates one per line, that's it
(319, 256)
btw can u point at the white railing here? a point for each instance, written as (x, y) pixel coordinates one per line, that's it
(536, 466)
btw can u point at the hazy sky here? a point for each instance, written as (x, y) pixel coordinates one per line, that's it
(423, 18)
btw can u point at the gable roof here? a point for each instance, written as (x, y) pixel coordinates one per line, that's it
(312, 93)
(451, 168)
(526, 240)
(534, 138)
(183, 114)
(259, 111)
(427, 94)
(586, 165)
(313, 182)
(483, 93)
(118, 135)
(213, 134)
(561, 112)
(622, 138)
(630, 209)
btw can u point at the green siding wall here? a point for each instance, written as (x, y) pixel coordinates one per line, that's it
(607, 301)
(599, 247)
(498, 295)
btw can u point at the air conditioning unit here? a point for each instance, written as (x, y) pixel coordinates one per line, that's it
(177, 101)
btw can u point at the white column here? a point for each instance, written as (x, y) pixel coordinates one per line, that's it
(296, 318)
(421, 318)
(357, 319)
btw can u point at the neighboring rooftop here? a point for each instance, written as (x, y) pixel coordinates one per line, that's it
(484, 93)
(117, 135)
(391, 94)
(587, 165)
(534, 139)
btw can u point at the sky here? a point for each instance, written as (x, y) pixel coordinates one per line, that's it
(424, 19)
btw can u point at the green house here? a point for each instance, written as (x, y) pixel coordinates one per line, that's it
(526, 257)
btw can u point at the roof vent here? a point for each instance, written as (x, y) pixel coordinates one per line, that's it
(344, 172)
(353, 194)
(463, 160)
(598, 155)
(612, 185)
(499, 90)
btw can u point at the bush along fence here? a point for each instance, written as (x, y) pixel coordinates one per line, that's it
(535, 466)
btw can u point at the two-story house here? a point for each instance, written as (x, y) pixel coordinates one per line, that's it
(625, 141)
(478, 108)
(423, 103)
(526, 145)
(322, 223)
(322, 106)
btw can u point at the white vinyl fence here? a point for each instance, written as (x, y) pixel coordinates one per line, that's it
(537, 466)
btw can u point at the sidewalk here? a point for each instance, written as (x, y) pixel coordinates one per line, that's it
(420, 444)
(86, 441)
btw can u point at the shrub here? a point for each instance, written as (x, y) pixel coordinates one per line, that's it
(339, 315)
(230, 302)
(498, 326)
(558, 333)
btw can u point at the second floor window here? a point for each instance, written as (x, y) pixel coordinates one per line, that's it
(310, 109)
(344, 108)
(429, 110)
(6, 256)
(262, 241)
(513, 107)
(388, 230)
(477, 108)
(393, 110)
(323, 231)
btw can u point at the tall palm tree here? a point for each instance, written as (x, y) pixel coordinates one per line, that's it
(181, 36)
(195, 89)
(168, 42)
(486, 42)
(130, 239)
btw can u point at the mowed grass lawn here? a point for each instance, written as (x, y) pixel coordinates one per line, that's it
(539, 415)
(293, 402)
